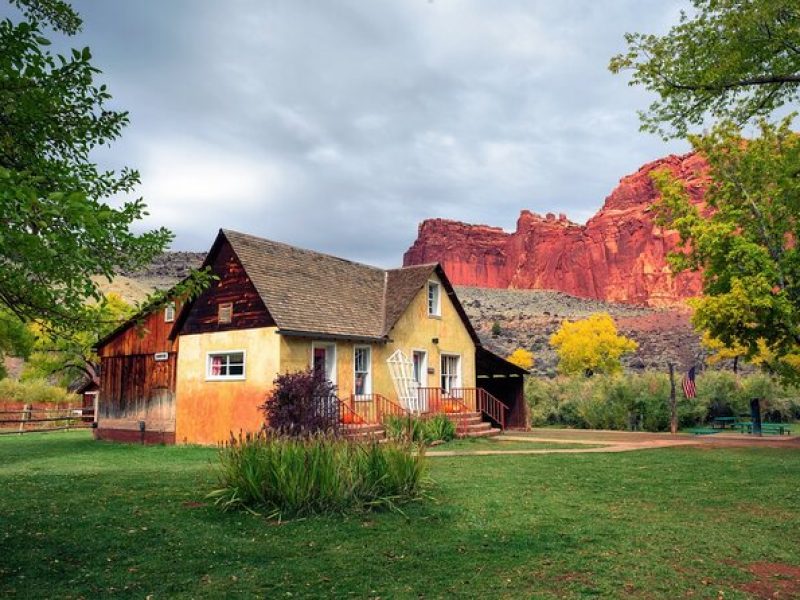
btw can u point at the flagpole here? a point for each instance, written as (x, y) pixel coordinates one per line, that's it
(673, 405)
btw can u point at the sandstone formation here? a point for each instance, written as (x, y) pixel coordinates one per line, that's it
(619, 255)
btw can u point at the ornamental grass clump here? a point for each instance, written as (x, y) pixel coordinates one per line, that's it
(437, 428)
(284, 477)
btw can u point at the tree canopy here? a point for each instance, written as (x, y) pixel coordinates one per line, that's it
(522, 358)
(61, 221)
(72, 358)
(726, 60)
(591, 345)
(744, 240)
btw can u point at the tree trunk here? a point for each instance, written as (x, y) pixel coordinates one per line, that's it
(673, 404)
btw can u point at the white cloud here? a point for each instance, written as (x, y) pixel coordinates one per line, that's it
(340, 125)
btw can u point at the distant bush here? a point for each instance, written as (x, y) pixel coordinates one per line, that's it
(292, 477)
(641, 401)
(35, 391)
(437, 428)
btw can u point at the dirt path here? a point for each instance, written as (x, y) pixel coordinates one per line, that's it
(617, 441)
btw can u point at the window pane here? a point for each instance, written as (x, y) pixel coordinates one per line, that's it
(237, 357)
(236, 370)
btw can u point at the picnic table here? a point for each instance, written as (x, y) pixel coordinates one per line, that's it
(771, 428)
(723, 422)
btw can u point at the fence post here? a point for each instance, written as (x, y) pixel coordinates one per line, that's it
(26, 416)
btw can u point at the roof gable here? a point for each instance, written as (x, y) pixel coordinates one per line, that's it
(307, 292)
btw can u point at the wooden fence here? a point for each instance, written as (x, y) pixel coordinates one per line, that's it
(43, 418)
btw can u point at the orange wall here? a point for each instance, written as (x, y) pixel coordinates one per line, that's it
(208, 411)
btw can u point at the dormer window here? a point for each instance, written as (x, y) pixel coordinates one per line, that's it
(434, 299)
(169, 312)
(225, 313)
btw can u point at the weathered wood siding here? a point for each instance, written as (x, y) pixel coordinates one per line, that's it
(233, 286)
(148, 336)
(134, 386)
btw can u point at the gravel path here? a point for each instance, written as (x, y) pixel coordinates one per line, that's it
(616, 441)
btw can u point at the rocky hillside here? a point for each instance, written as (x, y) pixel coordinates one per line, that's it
(527, 319)
(619, 255)
(167, 269)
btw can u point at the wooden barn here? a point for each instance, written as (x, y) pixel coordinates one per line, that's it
(138, 367)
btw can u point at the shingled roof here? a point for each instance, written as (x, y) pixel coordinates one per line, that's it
(308, 292)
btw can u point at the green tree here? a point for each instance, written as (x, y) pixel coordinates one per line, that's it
(590, 345)
(728, 60)
(58, 228)
(15, 339)
(70, 358)
(744, 241)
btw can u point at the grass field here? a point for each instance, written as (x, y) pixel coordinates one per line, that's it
(85, 519)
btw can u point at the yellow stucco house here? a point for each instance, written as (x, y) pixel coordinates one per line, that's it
(392, 341)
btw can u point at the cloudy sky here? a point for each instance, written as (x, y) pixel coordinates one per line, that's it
(340, 125)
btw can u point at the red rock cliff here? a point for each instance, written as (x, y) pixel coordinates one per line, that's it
(619, 255)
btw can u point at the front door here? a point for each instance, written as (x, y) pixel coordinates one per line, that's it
(324, 360)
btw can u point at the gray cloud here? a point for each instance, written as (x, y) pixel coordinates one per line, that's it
(340, 125)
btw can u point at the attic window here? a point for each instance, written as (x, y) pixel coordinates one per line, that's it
(434, 299)
(169, 312)
(225, 312)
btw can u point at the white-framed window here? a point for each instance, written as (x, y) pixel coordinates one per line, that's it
(225, 312)
(169, 312)
(362, 370)
(434, 299)
(450, 372)
(323, 359)
(223, 366)
(419, 359)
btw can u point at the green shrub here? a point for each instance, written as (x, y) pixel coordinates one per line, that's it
(422, 430)
(642, 400)
(438, 428)
(34, 391)
(292, 477)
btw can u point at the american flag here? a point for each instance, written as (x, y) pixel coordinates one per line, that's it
(689, 388)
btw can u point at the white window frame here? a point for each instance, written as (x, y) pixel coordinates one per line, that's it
(211, 353)
(457, 383)
(334, 364)
(169, 313)
(423, 382)
(368, 381)
(434, 311)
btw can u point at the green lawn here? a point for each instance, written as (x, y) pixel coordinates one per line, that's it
(85, 519)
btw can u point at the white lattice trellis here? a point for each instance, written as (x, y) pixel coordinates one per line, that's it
(402, 371)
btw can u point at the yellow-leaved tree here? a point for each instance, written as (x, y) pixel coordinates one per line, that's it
(522, 358)
(590, 345)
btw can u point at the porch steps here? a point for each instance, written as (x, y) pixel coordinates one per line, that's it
(364, 432)
(472, 425)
